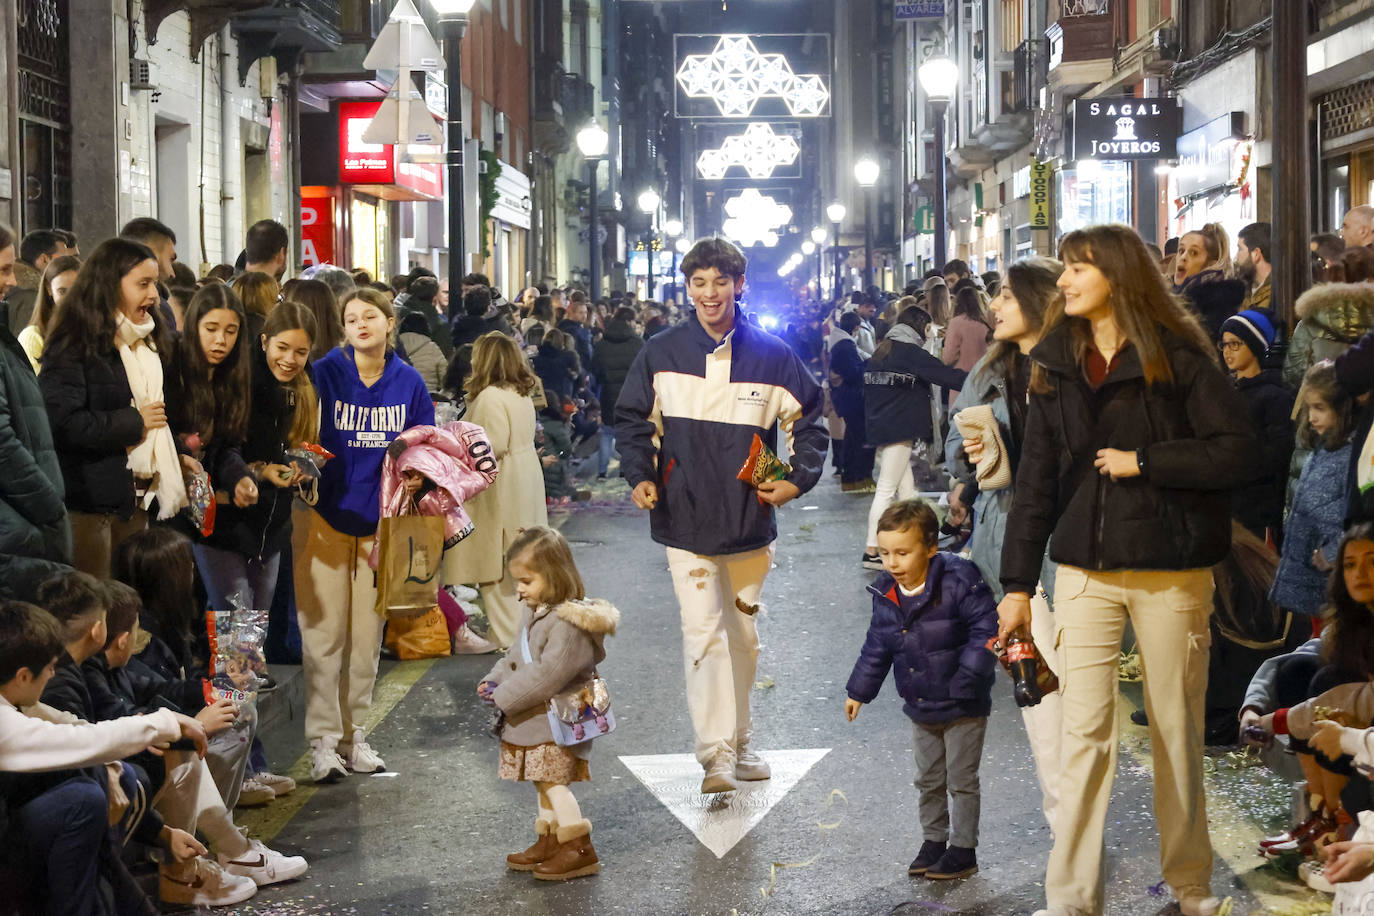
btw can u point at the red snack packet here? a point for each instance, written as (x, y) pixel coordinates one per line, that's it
(762, 465)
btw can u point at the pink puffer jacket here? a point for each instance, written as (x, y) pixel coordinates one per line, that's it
(457, 457)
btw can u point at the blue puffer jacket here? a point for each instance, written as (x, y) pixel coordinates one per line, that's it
(939, 653)
(1314, 523)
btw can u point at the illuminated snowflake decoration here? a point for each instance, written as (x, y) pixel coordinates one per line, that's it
(754, 218)
(735, 75)
(758, 150)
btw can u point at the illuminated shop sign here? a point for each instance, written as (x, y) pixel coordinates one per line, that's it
(1126, 128)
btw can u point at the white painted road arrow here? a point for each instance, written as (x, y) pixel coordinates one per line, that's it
(720, 821)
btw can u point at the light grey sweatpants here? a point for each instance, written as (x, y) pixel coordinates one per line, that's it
(947, 758)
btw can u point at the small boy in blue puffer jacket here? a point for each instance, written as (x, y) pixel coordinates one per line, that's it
(933, 617)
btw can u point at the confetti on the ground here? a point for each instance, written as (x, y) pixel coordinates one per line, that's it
(765, 682)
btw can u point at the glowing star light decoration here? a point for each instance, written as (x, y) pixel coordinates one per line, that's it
(736, 75)
(758, 150)
(754, 218)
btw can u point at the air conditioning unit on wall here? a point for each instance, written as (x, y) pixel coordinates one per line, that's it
(140, 74)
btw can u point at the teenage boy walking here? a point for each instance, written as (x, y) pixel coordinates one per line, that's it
(695, 397)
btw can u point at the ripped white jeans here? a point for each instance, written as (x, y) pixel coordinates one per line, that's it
(720, 641)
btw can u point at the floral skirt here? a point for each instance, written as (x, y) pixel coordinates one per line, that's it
(542, 763)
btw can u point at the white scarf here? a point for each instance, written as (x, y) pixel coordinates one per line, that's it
(156, 455)
(905, 334)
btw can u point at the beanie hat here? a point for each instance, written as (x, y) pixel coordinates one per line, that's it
(1254, 328)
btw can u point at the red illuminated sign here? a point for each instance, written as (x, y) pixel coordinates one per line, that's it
(317, 229)
(361, 162)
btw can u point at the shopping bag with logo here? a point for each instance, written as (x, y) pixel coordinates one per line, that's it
(425, 636)
(580, 713)
(408, 561)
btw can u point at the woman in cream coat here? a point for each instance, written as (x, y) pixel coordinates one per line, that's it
(498, 395)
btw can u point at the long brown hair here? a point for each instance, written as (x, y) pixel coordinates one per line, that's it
(1321, 380)
(215, 400)
(496, 360)
(86, 319)
(293, 316)
(258, 291)
(328, 330)
(1142, 306)
(44, 306)
(914, 317)
(1348, 641)
(1032, 283)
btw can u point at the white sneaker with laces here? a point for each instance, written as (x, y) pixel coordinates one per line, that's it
(264, 866)
(204, 883)
(361, 757)
(325, 763)
(1313, 874)
(750, 767)
(254, 793)
(280, 785)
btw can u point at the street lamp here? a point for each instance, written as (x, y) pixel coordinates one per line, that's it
(592, 141)
(866, 174)
(453, 20)
(836, 213)
(818, 235)
(648, 205)
(939, 76)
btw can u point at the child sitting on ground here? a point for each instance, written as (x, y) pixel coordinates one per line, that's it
(561, 641)
(58, 833)
(933, 617)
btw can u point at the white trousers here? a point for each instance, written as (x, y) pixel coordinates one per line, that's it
(892, 468)
(189, 800)
(720, 643)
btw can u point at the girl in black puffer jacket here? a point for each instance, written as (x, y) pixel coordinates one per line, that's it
(1133, 439)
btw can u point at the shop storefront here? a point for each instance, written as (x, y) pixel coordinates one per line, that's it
(1112, 140)
(349, 204)
(508, 231)
(1213, 181)
(1346, 121)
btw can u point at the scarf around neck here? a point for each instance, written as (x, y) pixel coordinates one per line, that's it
(905, 334)
(155, 456)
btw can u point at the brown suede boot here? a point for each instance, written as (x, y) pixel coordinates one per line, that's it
(575, 856)
(543, 848)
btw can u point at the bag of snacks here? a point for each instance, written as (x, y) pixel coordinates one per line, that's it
(762, 465)
(238, 667)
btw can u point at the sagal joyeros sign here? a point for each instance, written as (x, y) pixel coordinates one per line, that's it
(1126, 128)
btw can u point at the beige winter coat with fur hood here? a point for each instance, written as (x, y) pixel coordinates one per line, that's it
(567, 642)
(1331, 317)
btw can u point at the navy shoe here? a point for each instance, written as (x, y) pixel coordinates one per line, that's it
(957, 862)
(930, 853)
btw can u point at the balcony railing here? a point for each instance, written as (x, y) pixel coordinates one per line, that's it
(1030, 66)
(1087, 30)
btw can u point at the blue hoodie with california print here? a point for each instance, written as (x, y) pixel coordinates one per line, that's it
(357, 423)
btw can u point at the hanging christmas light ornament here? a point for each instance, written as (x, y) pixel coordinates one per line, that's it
(735, 75)
(758, 151)
(754, 218)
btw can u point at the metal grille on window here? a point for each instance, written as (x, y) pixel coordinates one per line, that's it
(45, 114)
(1347, 110)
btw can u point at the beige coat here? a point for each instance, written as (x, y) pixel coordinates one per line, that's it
(513, 502)
(567, 642)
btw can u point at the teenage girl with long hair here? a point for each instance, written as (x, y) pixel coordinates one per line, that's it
(1001, 381)
(58, 277)
(368, 395)
(1134, 437)
(102, 383)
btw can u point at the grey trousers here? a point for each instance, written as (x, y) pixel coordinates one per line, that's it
(947, 757)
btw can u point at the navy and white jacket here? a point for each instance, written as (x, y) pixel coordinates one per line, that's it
(937, 648)
(686, 419)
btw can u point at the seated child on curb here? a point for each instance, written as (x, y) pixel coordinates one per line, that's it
(933, 616)
(59, 831)
(188, 799)
(561, 641)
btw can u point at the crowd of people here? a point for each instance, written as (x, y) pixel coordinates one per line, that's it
(1122, 435)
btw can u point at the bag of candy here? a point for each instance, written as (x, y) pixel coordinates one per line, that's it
(238, 667)
(762, 465)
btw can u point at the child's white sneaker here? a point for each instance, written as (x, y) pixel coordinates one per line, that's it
(361, 757)
(280, 785)
(201, 882)
(264, 866)
(254, 793)
(325, 763)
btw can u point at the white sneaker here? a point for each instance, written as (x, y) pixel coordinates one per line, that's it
(720, 774)
(462, 592)
(466, 642)
(205, 884)
(254, 793)
(750, 767)
(361, 757)
(1313, 874)
(280, 785)
(325, 763)
(264, 866)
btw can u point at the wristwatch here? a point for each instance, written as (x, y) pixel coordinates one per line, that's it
(1140, 462)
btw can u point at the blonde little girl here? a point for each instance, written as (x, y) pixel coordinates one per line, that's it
(560, 643)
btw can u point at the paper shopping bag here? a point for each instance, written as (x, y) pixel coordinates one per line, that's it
(410, 554)
(419, 637)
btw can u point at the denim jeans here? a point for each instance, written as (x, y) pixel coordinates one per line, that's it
(605, 449)
(63, 835)
(228, 573)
